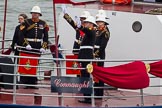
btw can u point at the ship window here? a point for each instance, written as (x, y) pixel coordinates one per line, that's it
(137, 26)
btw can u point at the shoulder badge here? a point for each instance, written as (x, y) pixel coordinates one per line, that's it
(46, 27)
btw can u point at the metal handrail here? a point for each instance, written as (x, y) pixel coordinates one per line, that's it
(40, 85)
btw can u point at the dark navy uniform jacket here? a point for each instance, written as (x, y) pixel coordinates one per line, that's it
(17, 39)
(35, 33)
(87, 44)
(102, 37)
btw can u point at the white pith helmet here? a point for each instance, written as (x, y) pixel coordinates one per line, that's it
(102, 18)
(101, 12)
(36, 9)
(90, 19)
(85, 14)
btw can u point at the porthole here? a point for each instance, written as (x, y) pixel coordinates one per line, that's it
(137, 26)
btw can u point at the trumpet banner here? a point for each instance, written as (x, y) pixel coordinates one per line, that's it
(127, 76)
(28, 63)
(156, 68)
(72, 64)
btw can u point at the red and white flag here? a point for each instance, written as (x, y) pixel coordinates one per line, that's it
(74, 2)
(61, 1)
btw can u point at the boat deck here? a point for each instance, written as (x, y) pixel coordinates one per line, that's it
(44, 97)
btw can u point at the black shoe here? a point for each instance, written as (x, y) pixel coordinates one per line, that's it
(32, 87)
(98, 98)
(85, 101)
(26, 87)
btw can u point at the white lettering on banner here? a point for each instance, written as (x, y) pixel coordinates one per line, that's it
(59, 83)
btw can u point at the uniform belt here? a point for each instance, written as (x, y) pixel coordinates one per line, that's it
(96, 46)
(86, 47)
(34, 40)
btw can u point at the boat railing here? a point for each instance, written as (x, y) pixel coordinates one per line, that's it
(48, 69)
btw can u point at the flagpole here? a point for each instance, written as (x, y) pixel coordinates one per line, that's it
(56, 50)
(4, 26)
(55, 34)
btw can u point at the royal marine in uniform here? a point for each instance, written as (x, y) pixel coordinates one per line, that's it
(102, 38)
(76, 25)
(86, 49)
(35, 33)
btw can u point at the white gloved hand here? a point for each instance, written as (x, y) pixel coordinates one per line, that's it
(64, 8)
(28, 47)
(42, 50)
(77, 21)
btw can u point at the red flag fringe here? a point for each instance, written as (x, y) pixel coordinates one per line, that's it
(156, 68)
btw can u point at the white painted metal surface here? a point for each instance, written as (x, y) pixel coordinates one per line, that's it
(124, 43)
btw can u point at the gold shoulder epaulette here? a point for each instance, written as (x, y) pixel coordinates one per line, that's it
(22, 27)
(90, 28)
(31, 26)
(107, 34)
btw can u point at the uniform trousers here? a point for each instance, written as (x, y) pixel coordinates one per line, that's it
(99, 91)
(84, 73)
